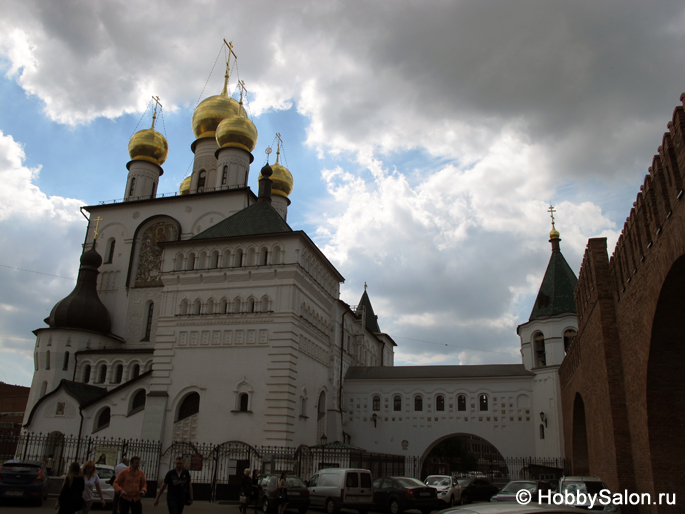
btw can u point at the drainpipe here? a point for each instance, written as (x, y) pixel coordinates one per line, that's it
(342, 345)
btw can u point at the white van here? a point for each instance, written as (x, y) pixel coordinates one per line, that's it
(338, 488)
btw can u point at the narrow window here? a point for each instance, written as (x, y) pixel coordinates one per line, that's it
(224, 306)
(418, 403)
(102, 374)
(43, 389)
(197, 307)
(110, 253)
(103, 419)
(265, 304)
(210, 306)
(263, 257)
(243, 402)
(483, 402)
(201, 181)
(86, 374)
(461, 402)
(569, 337)
(236, 306)
(65, 366)
(138, 402)
(238, 259)
(542, 431)
(397, 403)
(35, 361)
(148, 324)
(189, 406)
(539, 348)
(224, 176)
(440, 403)
(154, 189)
(250, 305)
(118, 374)
(376, 403)
(190, 262)
(47, 359)
(133, 186)
(136, 371)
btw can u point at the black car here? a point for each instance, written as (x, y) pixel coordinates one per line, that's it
(27, 480)
(509, 491)
(476, 489)
(298, 494)
(398, 494)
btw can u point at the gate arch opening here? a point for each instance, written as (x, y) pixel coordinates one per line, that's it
(581, 458)
(463, 454)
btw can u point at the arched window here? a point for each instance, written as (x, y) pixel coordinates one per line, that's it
(102, 420)
(154, 189)
(224, 176)
(202, 178)
(210, 306)
(250, 305)
(276, 255)
(190, 262)
(569, 337)
(135, 371)
(539, 349)
(138, 402)
(250, 259)
(461, 402)
(236, 306)
(397, 403)
(265, 304)
(226, 259)
(376, 403)
(238, 258)
(542, 431)
(224, 306)
(189, 406)
(43, 389)
(483, 402)
(118, 374)
(148, 322)
(86, 374)
(47, 359)
(102, 373)
(65, 366)
(418, 402)
(202, 260)
(178, 262)
(440, 403)
(197, 307)
(184, 308)
(244, 400)
(263, 256)
(214, 260)
(133, 186)
(110, 250)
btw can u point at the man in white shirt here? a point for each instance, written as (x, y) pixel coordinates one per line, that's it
(119, 467)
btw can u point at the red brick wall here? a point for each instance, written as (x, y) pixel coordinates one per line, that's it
(12, 399)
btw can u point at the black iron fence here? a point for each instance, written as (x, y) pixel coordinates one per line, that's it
(216, 470)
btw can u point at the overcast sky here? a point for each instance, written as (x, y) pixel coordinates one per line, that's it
(426, 140)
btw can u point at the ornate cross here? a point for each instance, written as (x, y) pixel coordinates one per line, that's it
(243, 89)
(280, 142)
(551, 211)
(228, 66)
(97, 224)
(154, 114)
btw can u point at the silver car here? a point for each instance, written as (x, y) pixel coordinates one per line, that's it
(449, 490)
(105, 473)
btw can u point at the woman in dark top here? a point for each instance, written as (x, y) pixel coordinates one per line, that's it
(246, 490)
(283, 493)
(255, 489)
(71, 496)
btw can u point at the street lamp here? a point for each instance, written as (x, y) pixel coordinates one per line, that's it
(543, 418)
(324, 440)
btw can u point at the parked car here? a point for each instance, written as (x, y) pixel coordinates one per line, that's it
(105, 473)
(587, 485)
(449, 491)
(512, 508)
(476, 489)
(298, 494)
(397, 494)
(338, 488)
(27, 480)
(509, 491)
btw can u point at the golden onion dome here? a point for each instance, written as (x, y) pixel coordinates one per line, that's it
(238, 132)
(282, 180)
(148, 145)
(554, 234)
(211, 111)
(185, 186)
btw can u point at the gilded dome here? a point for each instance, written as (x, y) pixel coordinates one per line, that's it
(185, 186)
(238, 132)
(148, 145)
(209, 113)
(282, 180)
(554, 234)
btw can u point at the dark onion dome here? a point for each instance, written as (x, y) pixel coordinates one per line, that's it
(82, 309)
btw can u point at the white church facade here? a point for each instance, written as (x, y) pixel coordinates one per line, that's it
(205, 317)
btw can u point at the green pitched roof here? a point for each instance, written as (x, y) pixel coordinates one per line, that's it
(258, 218)
(556, 295)
(371, 318)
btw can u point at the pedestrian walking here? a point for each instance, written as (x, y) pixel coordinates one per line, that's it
(180, 491)
(91, 480)
(131, 485)
(283, 493)
(118, 469)
(255, 489)
(245, 491)
(71, 496)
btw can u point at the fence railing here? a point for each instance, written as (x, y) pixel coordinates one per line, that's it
(216, 470)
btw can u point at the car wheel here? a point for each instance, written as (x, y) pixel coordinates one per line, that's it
(465, 498)
(330, 506)
(394, 507)
(266, 506)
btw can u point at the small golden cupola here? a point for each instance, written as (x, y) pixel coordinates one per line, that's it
(184, 189)
(237, 130)
(149, 145)
(554, 233)
(212, 110)
(282, 178)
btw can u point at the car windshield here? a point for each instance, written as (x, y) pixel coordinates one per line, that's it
(583, 487)
(515, 487)
(438, 481)
(295, 482)
(464, 482)
(409, 482)
(104, 473)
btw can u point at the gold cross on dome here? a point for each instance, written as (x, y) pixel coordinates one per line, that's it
(243, 89)
(551, 211)
(365, 286)
(154, 114)
(97, 224)
(224, 92)
(278, 149)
